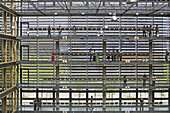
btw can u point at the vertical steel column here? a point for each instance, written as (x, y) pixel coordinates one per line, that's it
(15, 92)
(12, 94)
(37, 60)
(15, 25)
(5, 50)
(15, 50)
(5, 21)
(169, 97)
(57, 75)
(104, 50)
(4, 100)
(104, 87)
(87, 98)
(150, 75)
(17, 85)
(57, 87)
(104, 75)
(18, 27)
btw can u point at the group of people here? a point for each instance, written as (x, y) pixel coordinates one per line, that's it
(37, 103)
(116, 57)
(144, 80)
(147, 31)
(60, 31)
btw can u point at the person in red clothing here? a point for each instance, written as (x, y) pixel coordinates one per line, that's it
(35, 103)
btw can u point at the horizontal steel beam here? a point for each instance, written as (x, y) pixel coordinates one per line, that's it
(5, 8)
(100, 53)
(94, 29)
(6, 92)
(91, 111)
(85, 86)
(89, 14)
(94, 91)
(98, 102)
(8, 37)
(96, 79)
(95, 37)
(8, 64)
(82, 1)
(106, 63)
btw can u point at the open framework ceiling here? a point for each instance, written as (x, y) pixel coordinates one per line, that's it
(93, 8)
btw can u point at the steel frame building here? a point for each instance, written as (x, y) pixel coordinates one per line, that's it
(59, 69)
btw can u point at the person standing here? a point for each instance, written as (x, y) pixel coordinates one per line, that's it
(141, 104)
(125, 80)
(147, 29)
(153, 80)
(49, 31)
(60, 31)
(144, 31)
(120, 52)
(74, 30)
(39, 103)
(113, 56)
(117, 55)
(35, 104)
(108, 56)
(144, 79)
(91, 105)
(150, 30)
(166, 55)
(94, 56)
(90, 54)
(157, 31)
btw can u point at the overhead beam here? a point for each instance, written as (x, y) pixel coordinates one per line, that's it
(82, 1)
(156, 10)
(7, 9)
(127, 9)
(91, 14)
(97, 10)
(36, 8)
(96, 37)
(67, 8)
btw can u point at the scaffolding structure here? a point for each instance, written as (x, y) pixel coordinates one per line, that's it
(9, 49)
